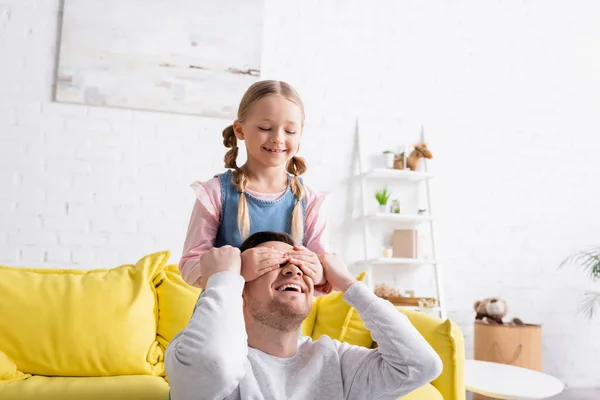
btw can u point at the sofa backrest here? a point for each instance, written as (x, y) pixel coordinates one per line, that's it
(176, 301)
(82, 322)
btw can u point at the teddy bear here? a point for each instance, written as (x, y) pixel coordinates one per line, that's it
(492, 310)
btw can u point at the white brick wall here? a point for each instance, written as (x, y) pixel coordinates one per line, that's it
(509, 94)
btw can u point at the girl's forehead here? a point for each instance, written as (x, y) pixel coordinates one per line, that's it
(276, 108)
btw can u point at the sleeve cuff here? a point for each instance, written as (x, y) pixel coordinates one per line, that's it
(359, 296)
(226, 278)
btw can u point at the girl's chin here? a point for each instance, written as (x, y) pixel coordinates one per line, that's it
(268, 160)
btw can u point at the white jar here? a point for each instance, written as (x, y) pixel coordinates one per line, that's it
(389, 159)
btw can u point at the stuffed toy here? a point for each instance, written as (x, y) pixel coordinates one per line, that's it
(420, 151)
(492, 310)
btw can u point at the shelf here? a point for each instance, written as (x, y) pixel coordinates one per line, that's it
(400, 217)
(401, 261)
(416, 308)
(406, 175)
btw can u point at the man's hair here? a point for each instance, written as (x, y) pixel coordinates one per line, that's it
(259, 238)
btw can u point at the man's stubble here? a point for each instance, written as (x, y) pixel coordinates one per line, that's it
(277, 315)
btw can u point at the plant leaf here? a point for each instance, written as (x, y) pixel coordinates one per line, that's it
(382, 196)
(591, 267)
(588, 260)
(590, 304)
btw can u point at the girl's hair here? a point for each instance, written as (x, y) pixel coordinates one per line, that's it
(296, 166)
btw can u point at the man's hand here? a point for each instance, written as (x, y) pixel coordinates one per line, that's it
(309, 263)
(336, 272)
(257, 261)
(220, 259)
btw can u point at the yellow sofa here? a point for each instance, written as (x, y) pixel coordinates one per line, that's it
(101, 334)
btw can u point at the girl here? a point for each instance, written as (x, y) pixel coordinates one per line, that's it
(264, 194)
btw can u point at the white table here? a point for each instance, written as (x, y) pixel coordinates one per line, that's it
(508, 382)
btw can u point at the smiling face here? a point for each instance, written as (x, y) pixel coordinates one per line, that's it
(281, 298)
(272, 130)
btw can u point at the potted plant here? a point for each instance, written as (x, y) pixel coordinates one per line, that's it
(589, 261)
(382, 197)
(389, 158)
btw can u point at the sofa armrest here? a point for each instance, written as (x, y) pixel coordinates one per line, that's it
(447, 340)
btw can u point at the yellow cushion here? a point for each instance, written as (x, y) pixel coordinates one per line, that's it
(427, 392)
(447, 340)
(8, 370)
(336, 319)
(132, 387)
(176, 300)
(82, 323)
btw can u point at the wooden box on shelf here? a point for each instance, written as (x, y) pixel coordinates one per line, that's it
(404, 243)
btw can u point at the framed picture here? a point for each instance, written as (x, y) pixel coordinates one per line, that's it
(183, 56)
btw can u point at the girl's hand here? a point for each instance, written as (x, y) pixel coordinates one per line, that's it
(309, 263)
(257, 261)
(337, 272)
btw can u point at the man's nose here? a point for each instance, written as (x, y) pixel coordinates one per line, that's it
(290, 270)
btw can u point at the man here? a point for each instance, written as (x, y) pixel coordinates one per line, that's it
(242, 340)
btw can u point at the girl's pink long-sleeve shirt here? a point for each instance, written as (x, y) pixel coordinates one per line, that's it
(206, 214)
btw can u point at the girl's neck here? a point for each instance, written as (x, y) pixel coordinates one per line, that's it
(265, 179)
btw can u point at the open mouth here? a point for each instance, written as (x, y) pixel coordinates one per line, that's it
(290, 287)
(275, 151)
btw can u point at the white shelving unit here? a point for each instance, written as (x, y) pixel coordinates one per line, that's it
(372, 258)
(385, 173)
(399, 217)
(416, 308)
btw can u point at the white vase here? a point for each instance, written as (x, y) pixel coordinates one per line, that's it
(383, 208)
(389, 160)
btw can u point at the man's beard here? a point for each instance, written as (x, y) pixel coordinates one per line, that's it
(276, 315)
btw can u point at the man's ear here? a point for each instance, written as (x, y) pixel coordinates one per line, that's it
(237, 129)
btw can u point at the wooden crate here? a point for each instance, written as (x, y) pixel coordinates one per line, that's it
(406, 301)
